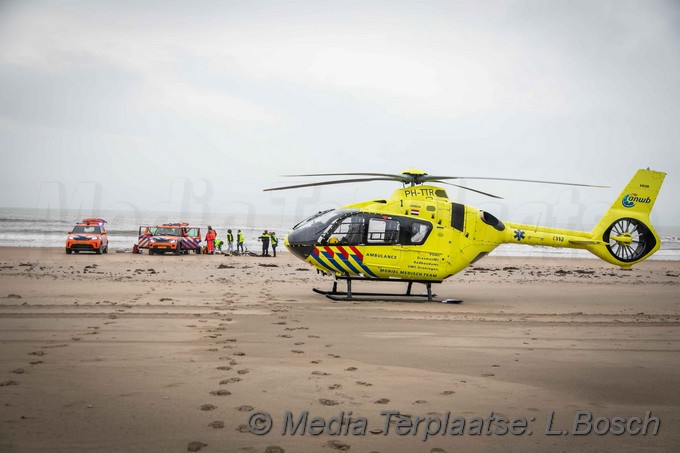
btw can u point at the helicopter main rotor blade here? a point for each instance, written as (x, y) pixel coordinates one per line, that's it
(434, 178)
(468, 188)
(326, 183)
(385, 175)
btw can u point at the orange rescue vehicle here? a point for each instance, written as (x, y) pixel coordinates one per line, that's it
(170, 237)
(88, 236)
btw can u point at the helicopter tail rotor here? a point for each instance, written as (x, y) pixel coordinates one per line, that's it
(625, 236)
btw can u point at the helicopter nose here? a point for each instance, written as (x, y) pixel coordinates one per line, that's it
(301, 249)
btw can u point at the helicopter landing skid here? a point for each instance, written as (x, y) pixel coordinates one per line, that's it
(349, 295)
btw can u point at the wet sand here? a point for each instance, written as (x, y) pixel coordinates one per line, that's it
(125, 352)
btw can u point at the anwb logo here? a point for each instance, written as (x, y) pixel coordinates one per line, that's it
(630, 199)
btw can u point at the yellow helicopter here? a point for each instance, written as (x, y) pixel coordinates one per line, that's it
(419, 236)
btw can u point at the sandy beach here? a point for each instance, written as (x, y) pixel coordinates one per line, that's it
(125, 352)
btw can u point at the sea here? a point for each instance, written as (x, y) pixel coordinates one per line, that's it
(21, 227)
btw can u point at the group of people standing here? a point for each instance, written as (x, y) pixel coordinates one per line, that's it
(266, 238)
(213, 244)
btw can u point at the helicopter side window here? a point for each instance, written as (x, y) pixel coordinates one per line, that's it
(419, 232)
(383, 231)
(350, 231)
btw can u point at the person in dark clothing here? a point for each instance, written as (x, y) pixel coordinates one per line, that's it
(265, 243)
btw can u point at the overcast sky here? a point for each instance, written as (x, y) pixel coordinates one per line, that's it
(148, 104)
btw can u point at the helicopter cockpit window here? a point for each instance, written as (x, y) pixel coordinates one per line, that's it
(320, 218)
(419, 232)
(383, 231)
(350, 231)
(314, 229)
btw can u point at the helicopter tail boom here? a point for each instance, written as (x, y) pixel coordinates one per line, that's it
(623, 236)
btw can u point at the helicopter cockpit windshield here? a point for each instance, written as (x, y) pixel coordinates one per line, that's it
(309, 231)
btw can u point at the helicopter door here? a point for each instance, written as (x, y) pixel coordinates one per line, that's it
(382, 251)
(421, 256)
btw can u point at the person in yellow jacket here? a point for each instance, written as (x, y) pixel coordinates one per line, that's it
(240, 239)
(230, 242)
(275, 242)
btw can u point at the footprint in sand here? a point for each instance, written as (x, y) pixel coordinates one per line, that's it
(242, 429)
(335, 356)
(285, 335)
(382, 401)
(297, 351)
(352, 368)
(337, 445)
(244, 371)
(217, 424)
(315, 361)
(230, 381)
(223, 368)
(6, 383)
(420, 402)
(220, 392)
(18, 371)
(448, 392)
(208, 407)
(320, 373)
(334, 387)
(195, 446)
(274, 449)
(364, 383)
(327, 402)
(245, 408)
